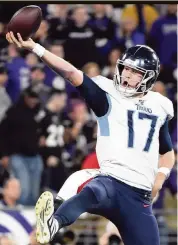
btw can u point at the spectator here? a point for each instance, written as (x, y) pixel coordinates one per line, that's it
(160, 88)
(31, 60)
(163, 34)
(129, 35)
(81, 128)
(41, 36)
(3, 43)
(149, 13)
(162, 27)
(19, 141)
(11, 193)
(59, 11)
(81, 36)
(104, 29)
(52, 140)
(58, 20)
(91, 69)
(18, 73)
(50, 76)
(114, 55)
(37, 81)
(5, 101)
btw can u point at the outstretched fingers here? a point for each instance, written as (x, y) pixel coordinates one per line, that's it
(15, 40)
(20, 38)
(8, 37)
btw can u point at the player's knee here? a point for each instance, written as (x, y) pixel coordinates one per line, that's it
(89, 195)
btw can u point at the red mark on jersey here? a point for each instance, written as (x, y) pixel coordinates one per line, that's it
(82, 185)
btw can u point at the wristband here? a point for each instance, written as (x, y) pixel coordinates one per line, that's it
(38, 50)
(165, 171)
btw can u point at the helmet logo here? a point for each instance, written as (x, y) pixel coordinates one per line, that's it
(151, 73)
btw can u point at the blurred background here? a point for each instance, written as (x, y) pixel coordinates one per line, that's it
(47, 132)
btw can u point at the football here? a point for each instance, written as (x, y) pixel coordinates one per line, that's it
(26, 21)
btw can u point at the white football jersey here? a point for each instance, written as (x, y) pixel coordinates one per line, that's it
(128, 135)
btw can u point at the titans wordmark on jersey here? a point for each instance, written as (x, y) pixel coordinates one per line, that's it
(128, 135)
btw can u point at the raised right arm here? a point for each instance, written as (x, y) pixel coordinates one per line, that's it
(94, 96)
(59, 65)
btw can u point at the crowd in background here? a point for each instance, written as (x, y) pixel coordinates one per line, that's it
(46, 130)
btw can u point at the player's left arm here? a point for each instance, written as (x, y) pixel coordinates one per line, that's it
(167, 158)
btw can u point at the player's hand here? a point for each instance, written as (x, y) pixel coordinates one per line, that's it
(155, 191)
(159, 181)
(20, 43)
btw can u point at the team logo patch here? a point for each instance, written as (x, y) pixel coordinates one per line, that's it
(140, 107)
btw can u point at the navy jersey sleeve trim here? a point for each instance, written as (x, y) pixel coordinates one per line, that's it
(165, 143)
(94, 96)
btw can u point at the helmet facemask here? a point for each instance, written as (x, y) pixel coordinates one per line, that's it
(143, 86)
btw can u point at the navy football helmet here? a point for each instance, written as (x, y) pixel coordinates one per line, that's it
(143, 59)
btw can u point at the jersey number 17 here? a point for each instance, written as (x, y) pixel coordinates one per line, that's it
(131, 132)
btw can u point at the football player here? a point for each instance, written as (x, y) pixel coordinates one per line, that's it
(132, 133)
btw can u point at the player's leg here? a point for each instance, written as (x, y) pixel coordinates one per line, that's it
(71, 187)
(136, 222)
(140, 229)
(93, 195)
